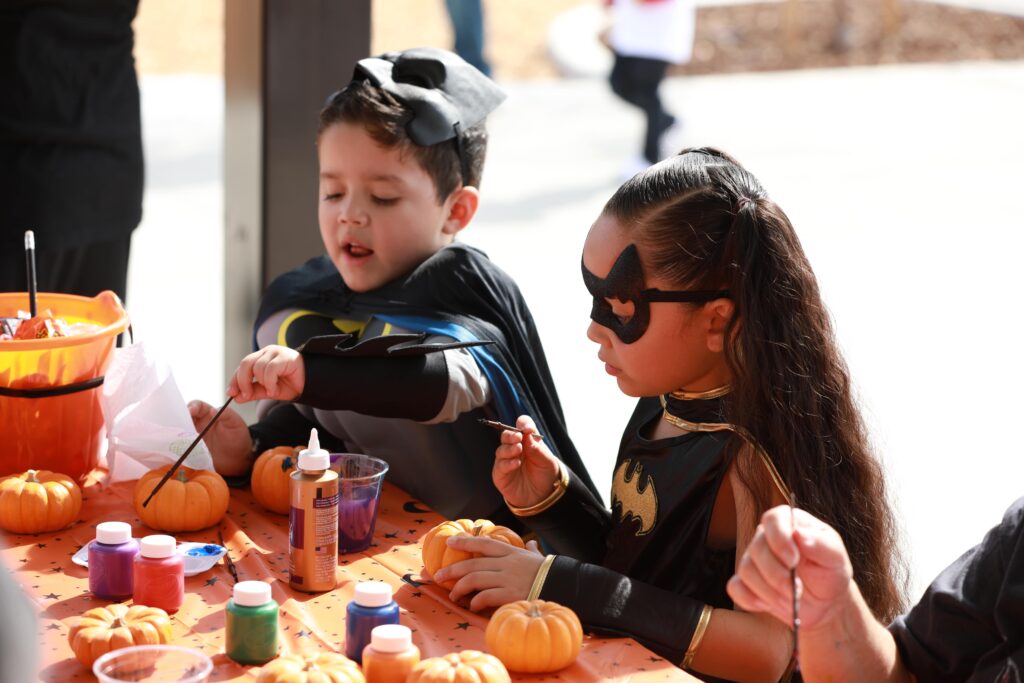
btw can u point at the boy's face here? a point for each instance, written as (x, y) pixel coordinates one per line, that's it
(378, 209)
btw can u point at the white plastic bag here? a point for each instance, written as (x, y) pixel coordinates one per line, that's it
(148, 424)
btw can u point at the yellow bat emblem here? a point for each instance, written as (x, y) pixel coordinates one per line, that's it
(635, 496)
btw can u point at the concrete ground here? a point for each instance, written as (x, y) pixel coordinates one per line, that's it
(903, 183)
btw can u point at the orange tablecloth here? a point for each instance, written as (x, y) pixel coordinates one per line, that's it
(257, 541)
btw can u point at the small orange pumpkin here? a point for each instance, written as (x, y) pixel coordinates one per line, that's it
(271, 478)
(534, 636)
(437, 554)
(37, 501)
(327, 667)
(189, 501)
(468, 666)
(104, 629)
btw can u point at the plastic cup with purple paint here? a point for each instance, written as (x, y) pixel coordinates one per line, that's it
(359, 484)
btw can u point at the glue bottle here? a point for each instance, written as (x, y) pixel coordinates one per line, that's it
(313, 521)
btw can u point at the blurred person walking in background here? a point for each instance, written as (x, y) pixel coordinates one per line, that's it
(646, 36)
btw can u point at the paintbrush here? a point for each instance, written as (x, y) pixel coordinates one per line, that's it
(175, 466)
(494, 424)
(30, 270)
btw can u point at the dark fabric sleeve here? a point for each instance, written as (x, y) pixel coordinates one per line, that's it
(577, 525)
(413, 387)
(611, 604)
(970, 618)
(284, 425)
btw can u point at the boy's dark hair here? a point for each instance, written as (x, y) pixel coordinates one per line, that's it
(385, 118)
(702, 221)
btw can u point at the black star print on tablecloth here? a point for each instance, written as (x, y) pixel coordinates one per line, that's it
(212, 580)
(464, 625)
(302, 634)
(53, 627)
(51, 596)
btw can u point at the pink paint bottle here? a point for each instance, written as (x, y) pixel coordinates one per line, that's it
(110, 561)
(159, 574)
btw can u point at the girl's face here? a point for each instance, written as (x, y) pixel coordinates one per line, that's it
(682, 347)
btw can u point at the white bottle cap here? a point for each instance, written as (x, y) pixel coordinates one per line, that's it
(113, 533)
(158, 546)
(391, 638)
(314, 458)
(373, 594)
(252, 593)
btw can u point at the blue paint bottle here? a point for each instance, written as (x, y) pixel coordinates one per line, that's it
(372, 606)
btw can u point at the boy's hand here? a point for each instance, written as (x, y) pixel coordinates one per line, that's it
(274, 372)
(502, 573)
(762, 582)
(228, 440)
(524, 469)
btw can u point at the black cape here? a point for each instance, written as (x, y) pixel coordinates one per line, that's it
(457, 292)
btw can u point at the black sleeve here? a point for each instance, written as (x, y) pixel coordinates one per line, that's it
(612, 604)
(284, 425)
(967, 626)
(393, 376)
(577, 525)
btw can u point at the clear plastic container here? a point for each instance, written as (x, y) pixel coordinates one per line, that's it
(153, 664)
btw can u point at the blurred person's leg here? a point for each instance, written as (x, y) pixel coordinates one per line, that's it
(637, 80)
(467, 18)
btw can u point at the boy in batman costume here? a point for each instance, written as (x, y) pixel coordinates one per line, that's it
(403, 339)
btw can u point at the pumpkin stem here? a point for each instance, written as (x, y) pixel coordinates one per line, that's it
(180, 476)
(30, 477)
(533, 611)
(117, 623)
(477, 529)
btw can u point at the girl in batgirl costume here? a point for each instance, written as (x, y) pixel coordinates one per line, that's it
(706, 309)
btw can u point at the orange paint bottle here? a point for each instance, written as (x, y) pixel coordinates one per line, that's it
(390, 656)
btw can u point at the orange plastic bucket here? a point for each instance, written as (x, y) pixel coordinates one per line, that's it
(50, 416)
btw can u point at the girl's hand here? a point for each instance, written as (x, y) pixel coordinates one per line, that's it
(502, 574)
(524, 469)
(825, 576)
(274, 372)
(228, 440)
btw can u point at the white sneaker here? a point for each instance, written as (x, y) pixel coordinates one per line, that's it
(671, 141)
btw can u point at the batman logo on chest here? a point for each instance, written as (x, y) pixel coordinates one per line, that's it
(634, 496)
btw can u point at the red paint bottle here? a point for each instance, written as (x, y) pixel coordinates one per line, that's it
(159, 576)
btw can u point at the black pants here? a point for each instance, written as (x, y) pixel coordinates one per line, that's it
(636, 80)
(86, 270)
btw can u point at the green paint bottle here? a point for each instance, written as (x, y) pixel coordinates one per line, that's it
(251, 626)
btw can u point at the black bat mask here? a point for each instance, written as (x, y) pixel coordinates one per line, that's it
(446, 94)
(625, 282)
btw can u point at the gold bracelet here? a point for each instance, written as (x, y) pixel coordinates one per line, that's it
(540, 578)
(698, 635)
(561, 486)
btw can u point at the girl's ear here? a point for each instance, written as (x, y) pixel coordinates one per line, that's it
(718, 313)
(462, 206)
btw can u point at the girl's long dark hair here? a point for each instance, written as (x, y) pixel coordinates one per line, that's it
(703, 222)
